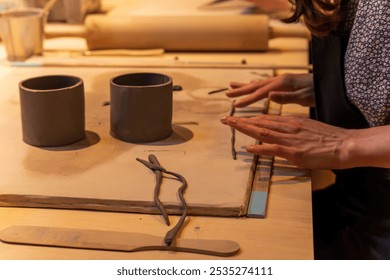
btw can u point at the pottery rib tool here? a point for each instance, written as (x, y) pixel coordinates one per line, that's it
(112, 241)
(179, 33)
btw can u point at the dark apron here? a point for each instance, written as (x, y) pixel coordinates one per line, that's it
(351, 218)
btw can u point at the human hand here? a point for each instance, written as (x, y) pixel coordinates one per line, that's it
(287, 88)
(303, 142)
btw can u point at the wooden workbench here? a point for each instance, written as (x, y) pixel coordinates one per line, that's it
(285, 232)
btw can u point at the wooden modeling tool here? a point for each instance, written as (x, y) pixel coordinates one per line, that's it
(112, 241)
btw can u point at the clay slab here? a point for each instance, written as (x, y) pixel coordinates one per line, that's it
(102, 173)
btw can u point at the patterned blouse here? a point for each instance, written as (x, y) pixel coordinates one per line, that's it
(367, 58)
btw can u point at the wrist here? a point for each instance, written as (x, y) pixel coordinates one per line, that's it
(353, 150)
(368, 147)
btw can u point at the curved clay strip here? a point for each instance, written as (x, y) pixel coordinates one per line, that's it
(154, 165)
(233, 131)
(159, 176)
(171, 235)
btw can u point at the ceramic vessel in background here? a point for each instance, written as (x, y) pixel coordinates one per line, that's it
(22, 31)
(141, 107)
(69, 11)
(53, 110)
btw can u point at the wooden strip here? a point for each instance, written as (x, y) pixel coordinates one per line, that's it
(259, 195)
(110, 205)
(244, 112)
(88, 62)
(112, 241)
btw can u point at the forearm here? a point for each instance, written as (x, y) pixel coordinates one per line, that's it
(369, 147)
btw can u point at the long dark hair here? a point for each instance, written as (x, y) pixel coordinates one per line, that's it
(320, 16)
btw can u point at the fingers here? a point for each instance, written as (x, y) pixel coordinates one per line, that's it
(301, 97)
(259, 94)
(285, 124)
(253, 91)
(243, 89)
(302, 141)
(283, 97)
(286, 88)
(265, 131)
(235, 85)
(246, 101)
(271, 150)
(264, 121)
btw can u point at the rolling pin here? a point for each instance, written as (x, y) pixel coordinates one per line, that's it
(181, 33)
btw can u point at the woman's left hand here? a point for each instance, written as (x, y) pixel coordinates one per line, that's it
(303, 142)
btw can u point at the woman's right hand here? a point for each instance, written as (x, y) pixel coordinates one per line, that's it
(283, 89)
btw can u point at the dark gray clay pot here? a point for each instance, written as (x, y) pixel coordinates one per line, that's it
(141, 107)
(52, 110)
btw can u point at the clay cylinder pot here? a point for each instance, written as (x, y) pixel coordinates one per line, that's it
(141, 107)
(52, 110)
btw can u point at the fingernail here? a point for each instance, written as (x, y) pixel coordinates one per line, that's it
(224, 119)
(232, 120)
(250, 148)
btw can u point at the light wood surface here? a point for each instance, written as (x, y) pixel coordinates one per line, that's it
(285, 232)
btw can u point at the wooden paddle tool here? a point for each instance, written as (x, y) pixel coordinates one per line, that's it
(112, 241)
